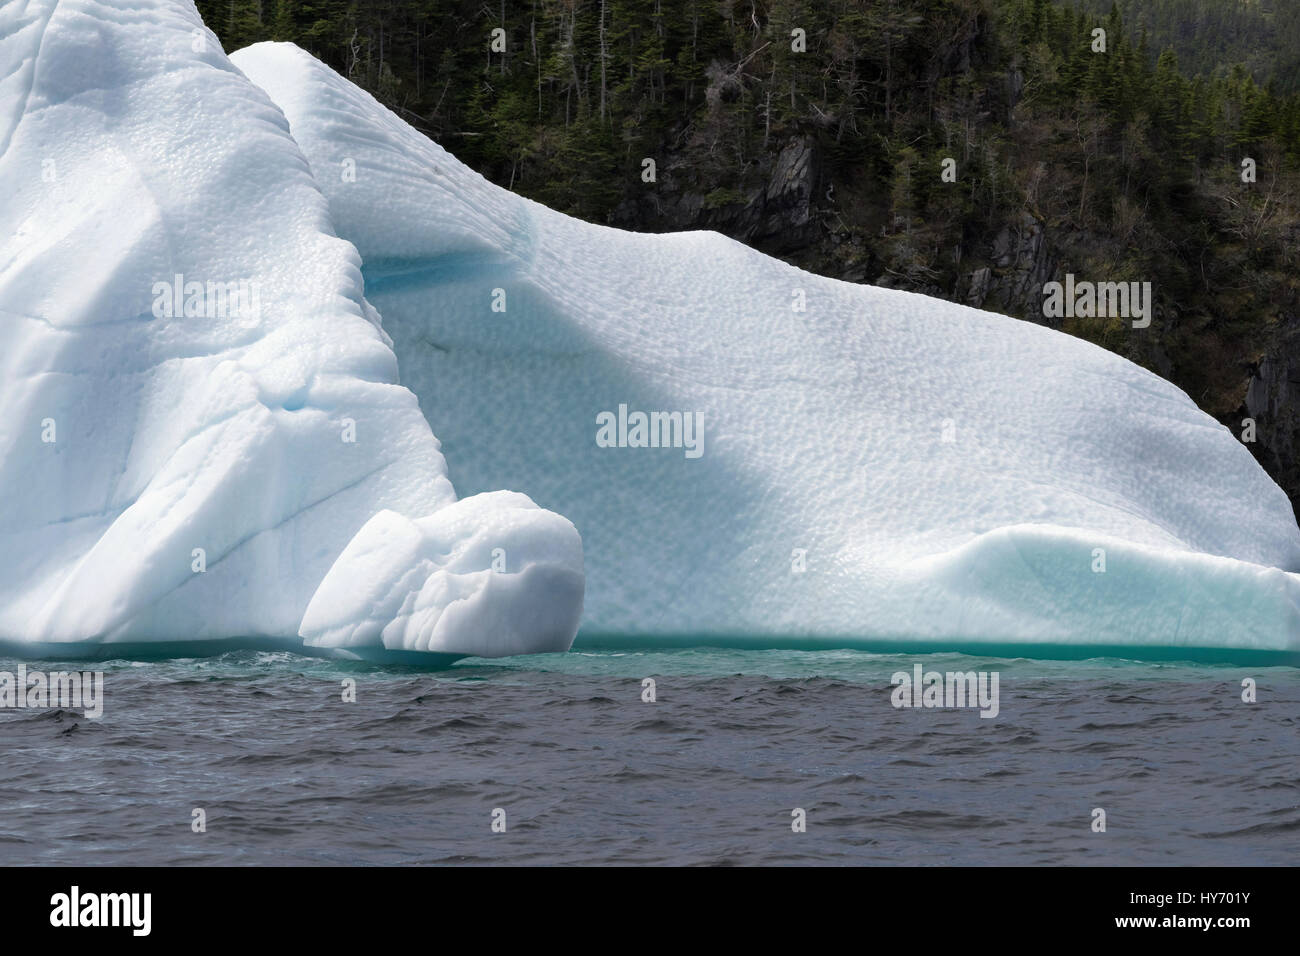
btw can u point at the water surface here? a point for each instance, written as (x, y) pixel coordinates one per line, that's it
(588, 772)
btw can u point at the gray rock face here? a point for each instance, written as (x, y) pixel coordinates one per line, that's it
(775, 212)
(787, 201)
(981, 280)
(1022, 264)
(1273, 401)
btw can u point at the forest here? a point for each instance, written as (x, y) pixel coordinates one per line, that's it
(968, 149)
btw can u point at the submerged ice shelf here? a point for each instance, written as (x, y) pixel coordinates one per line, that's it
(211, 274)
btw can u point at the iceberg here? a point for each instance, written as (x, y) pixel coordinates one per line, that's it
(238, 298)
(870, 465)
(200, 408)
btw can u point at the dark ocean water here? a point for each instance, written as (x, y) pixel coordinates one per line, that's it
(587, 772)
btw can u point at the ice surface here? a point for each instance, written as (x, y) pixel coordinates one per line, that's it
(190, 477)
(490, 575)
(877, 465)
(869, 464)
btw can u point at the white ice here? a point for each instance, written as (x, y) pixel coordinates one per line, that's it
(187, 478)
(873, 465)
(490, 575)
(877, 465)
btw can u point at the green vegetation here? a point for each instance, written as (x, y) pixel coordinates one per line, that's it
(1210, 37)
